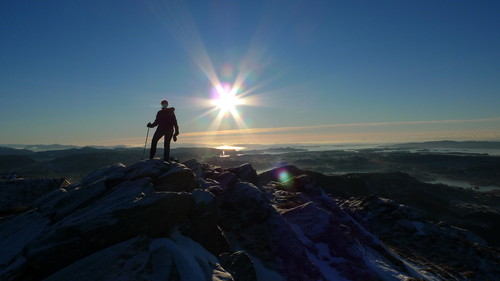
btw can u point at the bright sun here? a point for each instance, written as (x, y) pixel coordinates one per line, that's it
(225, 98)
(224, 101)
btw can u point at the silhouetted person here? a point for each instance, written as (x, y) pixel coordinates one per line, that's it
(166, 122)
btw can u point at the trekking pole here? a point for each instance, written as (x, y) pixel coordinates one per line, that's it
(145, 143)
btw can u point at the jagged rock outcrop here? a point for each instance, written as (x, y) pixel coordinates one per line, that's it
(478, 212)
(437, 246)
(155, 220)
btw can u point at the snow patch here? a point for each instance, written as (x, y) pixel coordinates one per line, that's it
(192, 261)
(381, 266)
(323, 260)
(19, 231)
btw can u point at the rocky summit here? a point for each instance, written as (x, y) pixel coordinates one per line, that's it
(156, 220)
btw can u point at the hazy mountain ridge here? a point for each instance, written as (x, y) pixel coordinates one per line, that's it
(14, 151)
(75, 163)
(262, 148)
(196, 221)
(50, 147)
(449, 144)
(464, 169)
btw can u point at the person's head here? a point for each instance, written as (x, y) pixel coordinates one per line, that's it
(164, 103)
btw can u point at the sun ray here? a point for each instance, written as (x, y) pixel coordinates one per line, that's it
(239, 121)
(180, 23)
(215, 125)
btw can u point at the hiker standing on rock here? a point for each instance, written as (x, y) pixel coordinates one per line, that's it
(166, 122)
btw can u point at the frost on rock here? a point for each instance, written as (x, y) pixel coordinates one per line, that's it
(190, 259)
(202, 197)
(16, 232)
(113, 171)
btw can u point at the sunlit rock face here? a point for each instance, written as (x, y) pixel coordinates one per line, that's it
(156, 220)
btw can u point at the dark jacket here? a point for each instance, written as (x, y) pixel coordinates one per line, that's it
(165, 119)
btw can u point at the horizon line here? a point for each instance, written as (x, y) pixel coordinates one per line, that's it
(484, 129)
(192, 145)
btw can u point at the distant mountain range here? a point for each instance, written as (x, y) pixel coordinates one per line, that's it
(450, 144)
(47, 147)
(15, 151)
(75, 162)
(476, 170)
(23, 149)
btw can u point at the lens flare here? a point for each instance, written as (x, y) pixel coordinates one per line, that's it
(284, 176)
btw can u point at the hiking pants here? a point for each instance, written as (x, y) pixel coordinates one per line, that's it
(167, 133)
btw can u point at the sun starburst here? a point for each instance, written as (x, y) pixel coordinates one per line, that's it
(232, 87)
(224, 98)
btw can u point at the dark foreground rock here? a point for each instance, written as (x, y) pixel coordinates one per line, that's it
(155, 220)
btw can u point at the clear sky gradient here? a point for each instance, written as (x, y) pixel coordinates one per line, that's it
(94, 72)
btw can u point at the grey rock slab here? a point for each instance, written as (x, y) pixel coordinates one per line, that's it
(128, 260)
(208, 183)
(151, 168)
(227, 180)
(246, 173)
(112, 171)
(18, 231)
(154, 215)
(177, 178)
(78, 197)
(45, 204)
(312, 219)
(187, 258)
(118, 197)
(195, 167)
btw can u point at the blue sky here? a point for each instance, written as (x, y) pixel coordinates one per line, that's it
(94, 72)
